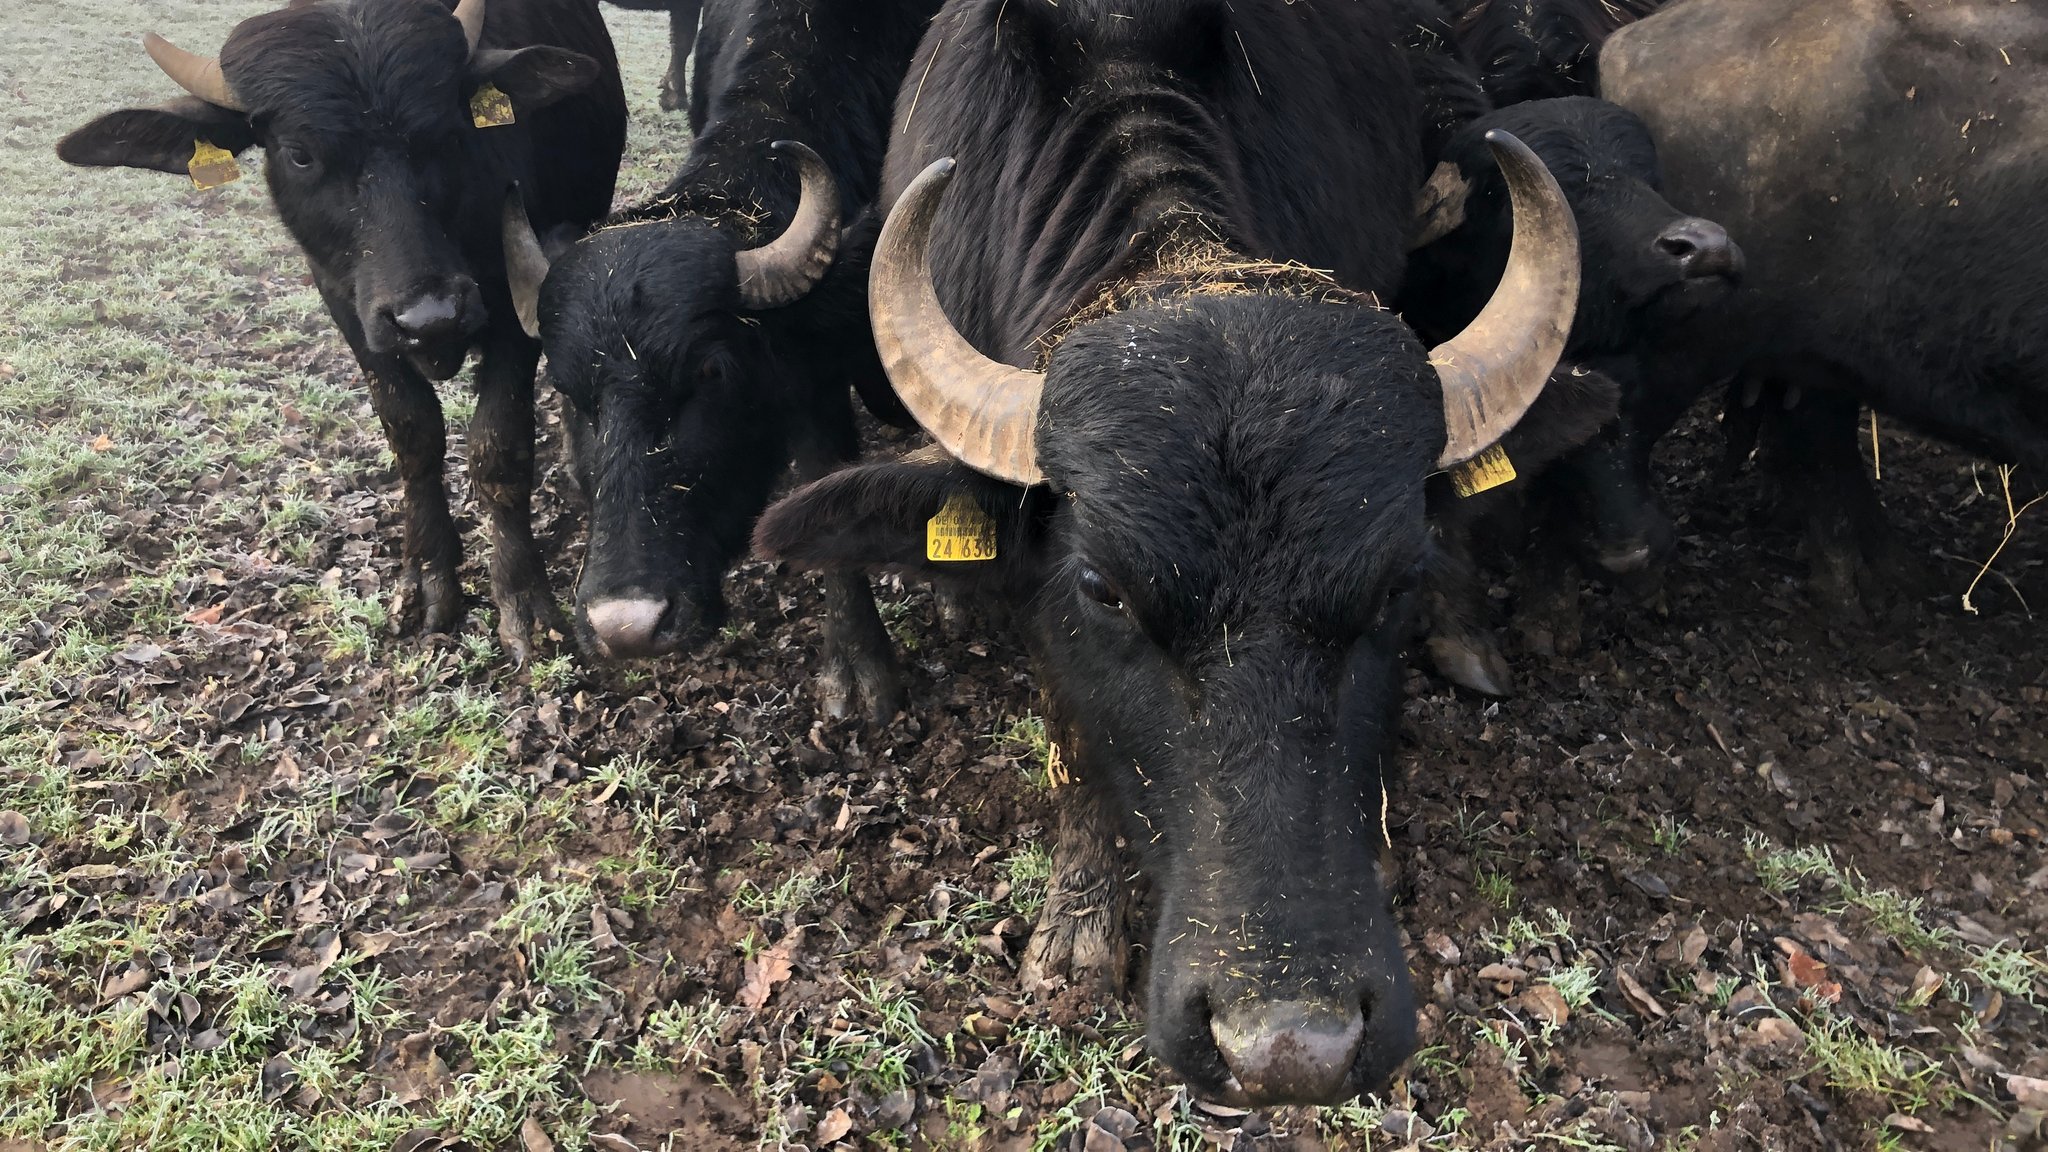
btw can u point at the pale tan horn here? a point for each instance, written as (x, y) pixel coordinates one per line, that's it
(785, 269)
(199, 75)
(526, 263)
(471, 14)
(983, 412)
(1496, 367)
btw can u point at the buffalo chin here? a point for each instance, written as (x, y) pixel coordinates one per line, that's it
(438, 363)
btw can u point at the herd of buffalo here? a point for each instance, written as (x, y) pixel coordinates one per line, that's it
(1229, 321)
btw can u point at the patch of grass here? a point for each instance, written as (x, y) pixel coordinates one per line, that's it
(1029, 873)
(1112, 1068)
(1496, 889)
(1670, 834)
(796, 893)
(2013, 972)
(680, 1035)
(1853, 1062)
(1780, 870)
(1027, 741)
(1523, 934)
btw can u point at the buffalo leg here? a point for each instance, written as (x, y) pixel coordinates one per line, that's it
(1813, 445)
(1548, 616)
(682, 38)
(501, 468)
(859, 658)
(1082, 936)
(427, 596)
(1460, 644)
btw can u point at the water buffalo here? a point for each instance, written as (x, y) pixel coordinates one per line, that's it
(368, 114)
(1647, 265)
(1542, 49)
(1881, 162)
(682, 38)
(709, 336)
(1196, 471)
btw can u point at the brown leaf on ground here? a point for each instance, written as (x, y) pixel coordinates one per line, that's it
(534, 1138)
(765, 971)
(122, 983)
(833, 1126)
(14, 829)
(612, 1142)
(101, 443)
(1546, 1004)
(1638, 997)
(1442, 947)
(2032, 1093)
(1905, 1123)
(208, 615)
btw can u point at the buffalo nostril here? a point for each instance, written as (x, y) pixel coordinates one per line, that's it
(629, 627)
(1289, 1051)
(1701, 248)
(430, 317)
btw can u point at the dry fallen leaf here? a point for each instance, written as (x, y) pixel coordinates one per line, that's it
(101, 443)
(1503, 974)
(534, 1138)
(1638, 997)
(1546, 1003)
(1925, 984)
(835, 1125)
(2032, 1093)
(1905, 1123)
(209, 615)
(612, 1142)
(14, 829)
(1442, 947)
(767, 969)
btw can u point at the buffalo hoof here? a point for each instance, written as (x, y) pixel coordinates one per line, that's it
(527, 616)
(671, 92)
(427, 598)
(1472, 662)
(868, 686)
(1080, 940)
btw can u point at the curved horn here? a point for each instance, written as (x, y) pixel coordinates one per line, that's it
(471, 14)
(526, 263)
(199, 75)
(785, 269)
(983, 412)
(1496, 367)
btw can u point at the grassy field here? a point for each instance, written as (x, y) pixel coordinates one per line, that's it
(273, 878)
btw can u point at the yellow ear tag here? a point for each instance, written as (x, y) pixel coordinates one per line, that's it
(1483, 473)
(490, 108)
(212, 167)
(961, 532)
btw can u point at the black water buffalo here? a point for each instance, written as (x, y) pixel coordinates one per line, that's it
(1882, 164)
(1542, 49)
(364, 111)
(1647, 265)
(682, 38)
(1194, 470)
(710, 336)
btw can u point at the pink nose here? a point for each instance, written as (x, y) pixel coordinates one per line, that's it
(628, 628)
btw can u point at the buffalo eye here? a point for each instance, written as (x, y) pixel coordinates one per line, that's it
(1097, 587)
(298, 155)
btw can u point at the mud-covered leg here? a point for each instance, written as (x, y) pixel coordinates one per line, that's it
(427, 596)
(860, 666)
(682, 38)
(501, 468)
(860, 670)
(1814, 447)
(1460, 644)
(1548, 617)
(1082, 938)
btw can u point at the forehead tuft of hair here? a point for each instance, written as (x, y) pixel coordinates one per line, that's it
(340, 67)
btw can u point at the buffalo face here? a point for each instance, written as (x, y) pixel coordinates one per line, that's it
(1646, 263)
(675, 427)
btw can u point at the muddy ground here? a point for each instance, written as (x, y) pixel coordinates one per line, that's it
(1740, 873)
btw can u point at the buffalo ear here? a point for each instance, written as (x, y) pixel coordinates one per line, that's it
(161, 139)
(534, 77)
(874, 516)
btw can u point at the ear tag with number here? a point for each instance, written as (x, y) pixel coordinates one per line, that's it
(490, 108)
(212, 167)
(1483, 473)
(960, 532)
